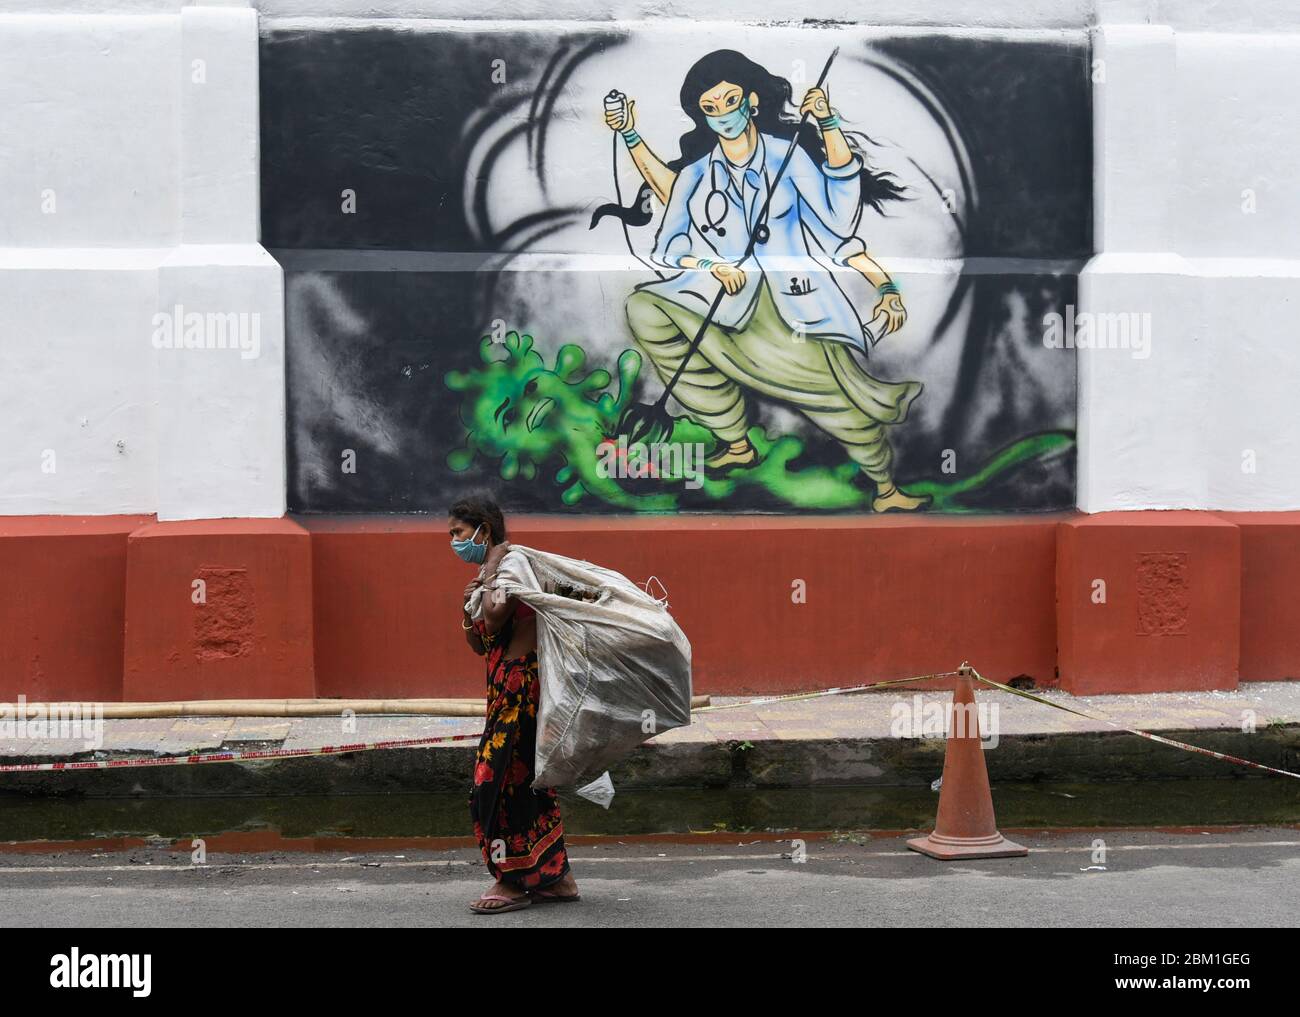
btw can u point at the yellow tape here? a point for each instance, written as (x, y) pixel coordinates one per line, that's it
(1134, 731)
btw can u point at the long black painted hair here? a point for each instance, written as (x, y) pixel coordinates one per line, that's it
(775, 117)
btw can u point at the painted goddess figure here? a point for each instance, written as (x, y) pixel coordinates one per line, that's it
(785, 327)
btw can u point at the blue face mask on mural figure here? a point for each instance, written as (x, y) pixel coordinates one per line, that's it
(468, 551)
(732, 125)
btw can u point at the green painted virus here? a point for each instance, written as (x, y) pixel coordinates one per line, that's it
(528, 418)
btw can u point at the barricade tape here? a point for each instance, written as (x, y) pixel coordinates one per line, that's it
(327, 750)
(263, 754)
(1134, 731)
(236, 757)
(840, 691)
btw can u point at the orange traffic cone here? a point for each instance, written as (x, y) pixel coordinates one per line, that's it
(965, 826)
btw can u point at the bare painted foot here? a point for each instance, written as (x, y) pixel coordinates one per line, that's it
(891, 499)
(738, 453)
(500, 890)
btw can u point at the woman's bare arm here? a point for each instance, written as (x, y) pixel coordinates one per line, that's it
(650, 166)
(890, 303)
(497, 606)
(870, 269)
(497, 609)
(653, 171)
(472, 637)
(838, 153)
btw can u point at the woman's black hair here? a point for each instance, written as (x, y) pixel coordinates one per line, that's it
(480, 510)
(774, 104)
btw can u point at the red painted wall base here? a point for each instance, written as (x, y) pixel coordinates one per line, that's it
(1148, 602)
(219, 609)
(125, 608)
(63, 606)
(769, 603)
(1270, 609)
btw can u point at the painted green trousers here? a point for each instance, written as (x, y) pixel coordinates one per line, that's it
(818, 377)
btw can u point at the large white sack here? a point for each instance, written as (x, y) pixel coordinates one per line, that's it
(615, 668)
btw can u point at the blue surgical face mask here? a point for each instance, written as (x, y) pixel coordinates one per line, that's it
(467, 550)
(733, 124)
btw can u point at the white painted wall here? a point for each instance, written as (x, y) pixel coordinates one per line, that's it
(128, 187)
(1184, 15)
(1196, 139)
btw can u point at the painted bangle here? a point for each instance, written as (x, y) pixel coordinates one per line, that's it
(888, 286)
(703, 263)
(829, 123)
(631, 137)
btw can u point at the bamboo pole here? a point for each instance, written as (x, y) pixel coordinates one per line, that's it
(274, 708)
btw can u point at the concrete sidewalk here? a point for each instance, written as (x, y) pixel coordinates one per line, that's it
(837, 740)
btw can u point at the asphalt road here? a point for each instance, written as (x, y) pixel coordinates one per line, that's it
(1197, 879)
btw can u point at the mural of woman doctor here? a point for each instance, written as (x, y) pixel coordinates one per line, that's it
(785, 328)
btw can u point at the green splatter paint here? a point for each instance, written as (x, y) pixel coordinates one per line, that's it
(1036, 446)
(527, 418)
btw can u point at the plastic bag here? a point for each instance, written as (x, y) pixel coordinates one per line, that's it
(615, 668)
(600, 791)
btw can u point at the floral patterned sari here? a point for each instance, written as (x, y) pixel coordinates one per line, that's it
(519, 829)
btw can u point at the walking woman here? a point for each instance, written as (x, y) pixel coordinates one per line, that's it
(519, 829)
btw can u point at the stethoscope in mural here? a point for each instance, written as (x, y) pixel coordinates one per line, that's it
(718, 196)
(712, 221)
